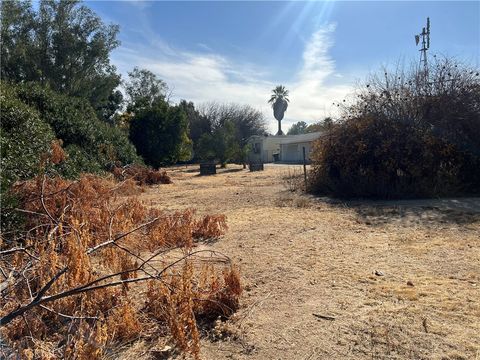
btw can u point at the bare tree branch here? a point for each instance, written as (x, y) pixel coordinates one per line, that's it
(39, 300)
(109, 242)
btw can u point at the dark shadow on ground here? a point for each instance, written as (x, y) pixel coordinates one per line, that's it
(219, 171)
(433, 212)
(192, 170)
(223, 171)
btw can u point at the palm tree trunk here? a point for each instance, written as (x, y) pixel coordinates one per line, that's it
(280, 132)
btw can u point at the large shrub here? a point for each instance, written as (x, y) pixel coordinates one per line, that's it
(24, 138)
(372, 157)
(407, 134)
(91, 144)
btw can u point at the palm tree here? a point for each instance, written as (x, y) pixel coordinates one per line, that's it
(279, 101)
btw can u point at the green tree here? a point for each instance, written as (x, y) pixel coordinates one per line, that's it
(246, 120)
(198, 125)
(323, 125)
(236, 123)
(143, 89)
(64, 45)
(298, 128)
(109, 111)
(17, 26)
(160, 134)
(220, 145)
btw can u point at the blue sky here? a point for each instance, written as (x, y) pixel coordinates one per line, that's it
(230, 51)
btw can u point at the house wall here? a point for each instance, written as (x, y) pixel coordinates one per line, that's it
(293, 152)
(263, 148)
(289, 147)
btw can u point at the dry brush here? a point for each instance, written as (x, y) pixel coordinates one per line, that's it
(92, 269)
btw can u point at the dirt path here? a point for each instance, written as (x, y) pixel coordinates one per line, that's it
(311, 291)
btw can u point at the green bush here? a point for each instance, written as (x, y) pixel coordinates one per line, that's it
(92, 145)
(407, 135)
(24, 138)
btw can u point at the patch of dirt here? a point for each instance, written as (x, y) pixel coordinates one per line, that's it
(338, 281)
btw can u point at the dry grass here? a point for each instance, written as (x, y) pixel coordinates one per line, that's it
(300, 255)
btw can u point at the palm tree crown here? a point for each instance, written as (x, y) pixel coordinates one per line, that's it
(279, 101)
(279, 93)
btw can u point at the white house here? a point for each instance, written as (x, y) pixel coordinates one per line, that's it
(282, 148)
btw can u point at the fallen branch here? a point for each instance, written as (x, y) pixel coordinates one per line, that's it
(40, 300)
(324, 317)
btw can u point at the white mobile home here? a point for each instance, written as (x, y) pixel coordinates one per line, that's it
(283, 148)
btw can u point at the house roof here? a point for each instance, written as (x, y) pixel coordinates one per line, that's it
(302, 138)
(287, 139)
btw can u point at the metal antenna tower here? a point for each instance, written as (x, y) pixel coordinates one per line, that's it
(425, 35)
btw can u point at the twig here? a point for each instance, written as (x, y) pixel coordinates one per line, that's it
(111, 241)
(324, 317)
(49, 284)
(251, 307)
(22, 249)
(43, 202)
(69, 316)
(29, 212)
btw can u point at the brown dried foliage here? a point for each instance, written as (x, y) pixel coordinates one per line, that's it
(142, 175)
(55, 156)
(80, 233)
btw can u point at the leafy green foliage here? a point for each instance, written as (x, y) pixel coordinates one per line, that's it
(62, 44)
(405, 137)
(91, 144)
(220, 145)
(160, 134)
(198, 125)
(24, 138)
(279, 100)
(143, 89)
(298, 128)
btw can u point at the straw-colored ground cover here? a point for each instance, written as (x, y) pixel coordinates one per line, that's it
(327, 280)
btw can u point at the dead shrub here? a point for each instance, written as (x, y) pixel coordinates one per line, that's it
(408, 134)
(211, 226)
(71, 275)
(142, 175)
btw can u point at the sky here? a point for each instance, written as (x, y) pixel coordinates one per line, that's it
(238, 51)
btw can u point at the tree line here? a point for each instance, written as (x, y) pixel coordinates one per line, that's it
(58, 83)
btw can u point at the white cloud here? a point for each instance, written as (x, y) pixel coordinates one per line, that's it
(203, 77)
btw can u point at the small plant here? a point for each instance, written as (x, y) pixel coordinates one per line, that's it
(293, 179)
